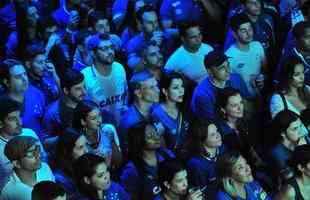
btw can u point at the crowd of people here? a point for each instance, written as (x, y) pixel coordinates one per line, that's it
(154, 99)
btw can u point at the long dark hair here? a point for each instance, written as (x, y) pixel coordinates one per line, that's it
(300, 156)
(166, 81)
(198, 132)
(136, 143)
(280, 124)
(63, 159)
(85, 166)
(80, 112)
(286, 75)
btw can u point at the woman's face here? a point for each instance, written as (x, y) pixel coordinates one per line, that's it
(234, 107)
(93, 120)
(175, 91)
(79, 148)
(214, 137)
(152, 138)
(298, 77)
(179, 183)
(293, 131)
(241, 171)
(101, 178)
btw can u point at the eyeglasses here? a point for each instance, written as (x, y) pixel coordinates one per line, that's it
(33, 152)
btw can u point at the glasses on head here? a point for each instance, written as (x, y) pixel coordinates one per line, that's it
(33, 152)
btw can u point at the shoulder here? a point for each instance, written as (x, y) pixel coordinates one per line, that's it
(194, 162)
(157, 110)
(29, 132)
(234, 77)
(206, 47)
(86, 71)
(33, 92)
(222, 195)
(257, 46)
(287, 192)
(231, 50)
(176, 53)
(118, 68)
(203, 88)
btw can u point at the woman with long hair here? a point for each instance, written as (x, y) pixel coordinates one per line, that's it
(298, 187)
(205, 146)
(139, 176)
(169, 112)
(236, 134)
(101, 138)
(292, 92)
(70, 146)
(93, 180)
(284, 138)
(236, 179)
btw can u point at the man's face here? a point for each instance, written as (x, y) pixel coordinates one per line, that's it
(304, 41)
(149, 91)
(253, 7)
(37, 66)
(244, 34)
(18, 82)
(153, 57)
(12, 124)
(102, 26)
(222, 72)
(105, 52)
(149, 22)
(77, 92)
(193, 39)
(32, 160)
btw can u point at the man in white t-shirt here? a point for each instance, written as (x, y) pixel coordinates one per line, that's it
(105, 81)
(11, 126)
(247, 56)
(188, 58)
(24, 154)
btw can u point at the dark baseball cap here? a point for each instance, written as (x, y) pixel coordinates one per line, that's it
(214, 58)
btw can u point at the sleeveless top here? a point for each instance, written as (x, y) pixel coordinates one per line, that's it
(298, 195)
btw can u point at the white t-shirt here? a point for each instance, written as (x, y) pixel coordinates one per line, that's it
(15, 189)
(246, 63)
(6, 167)
(109, 92)
(189, 64)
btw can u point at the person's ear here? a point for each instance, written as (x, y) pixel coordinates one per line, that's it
(83, 122)
(182, 38)
(86, 180)
(28, 65)
(300, 167)
(66, 91)
(167, 185)
(165, 92)
(223, 110)
(6, 82)
(138, 93)
(234, 33)
(16, 164)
